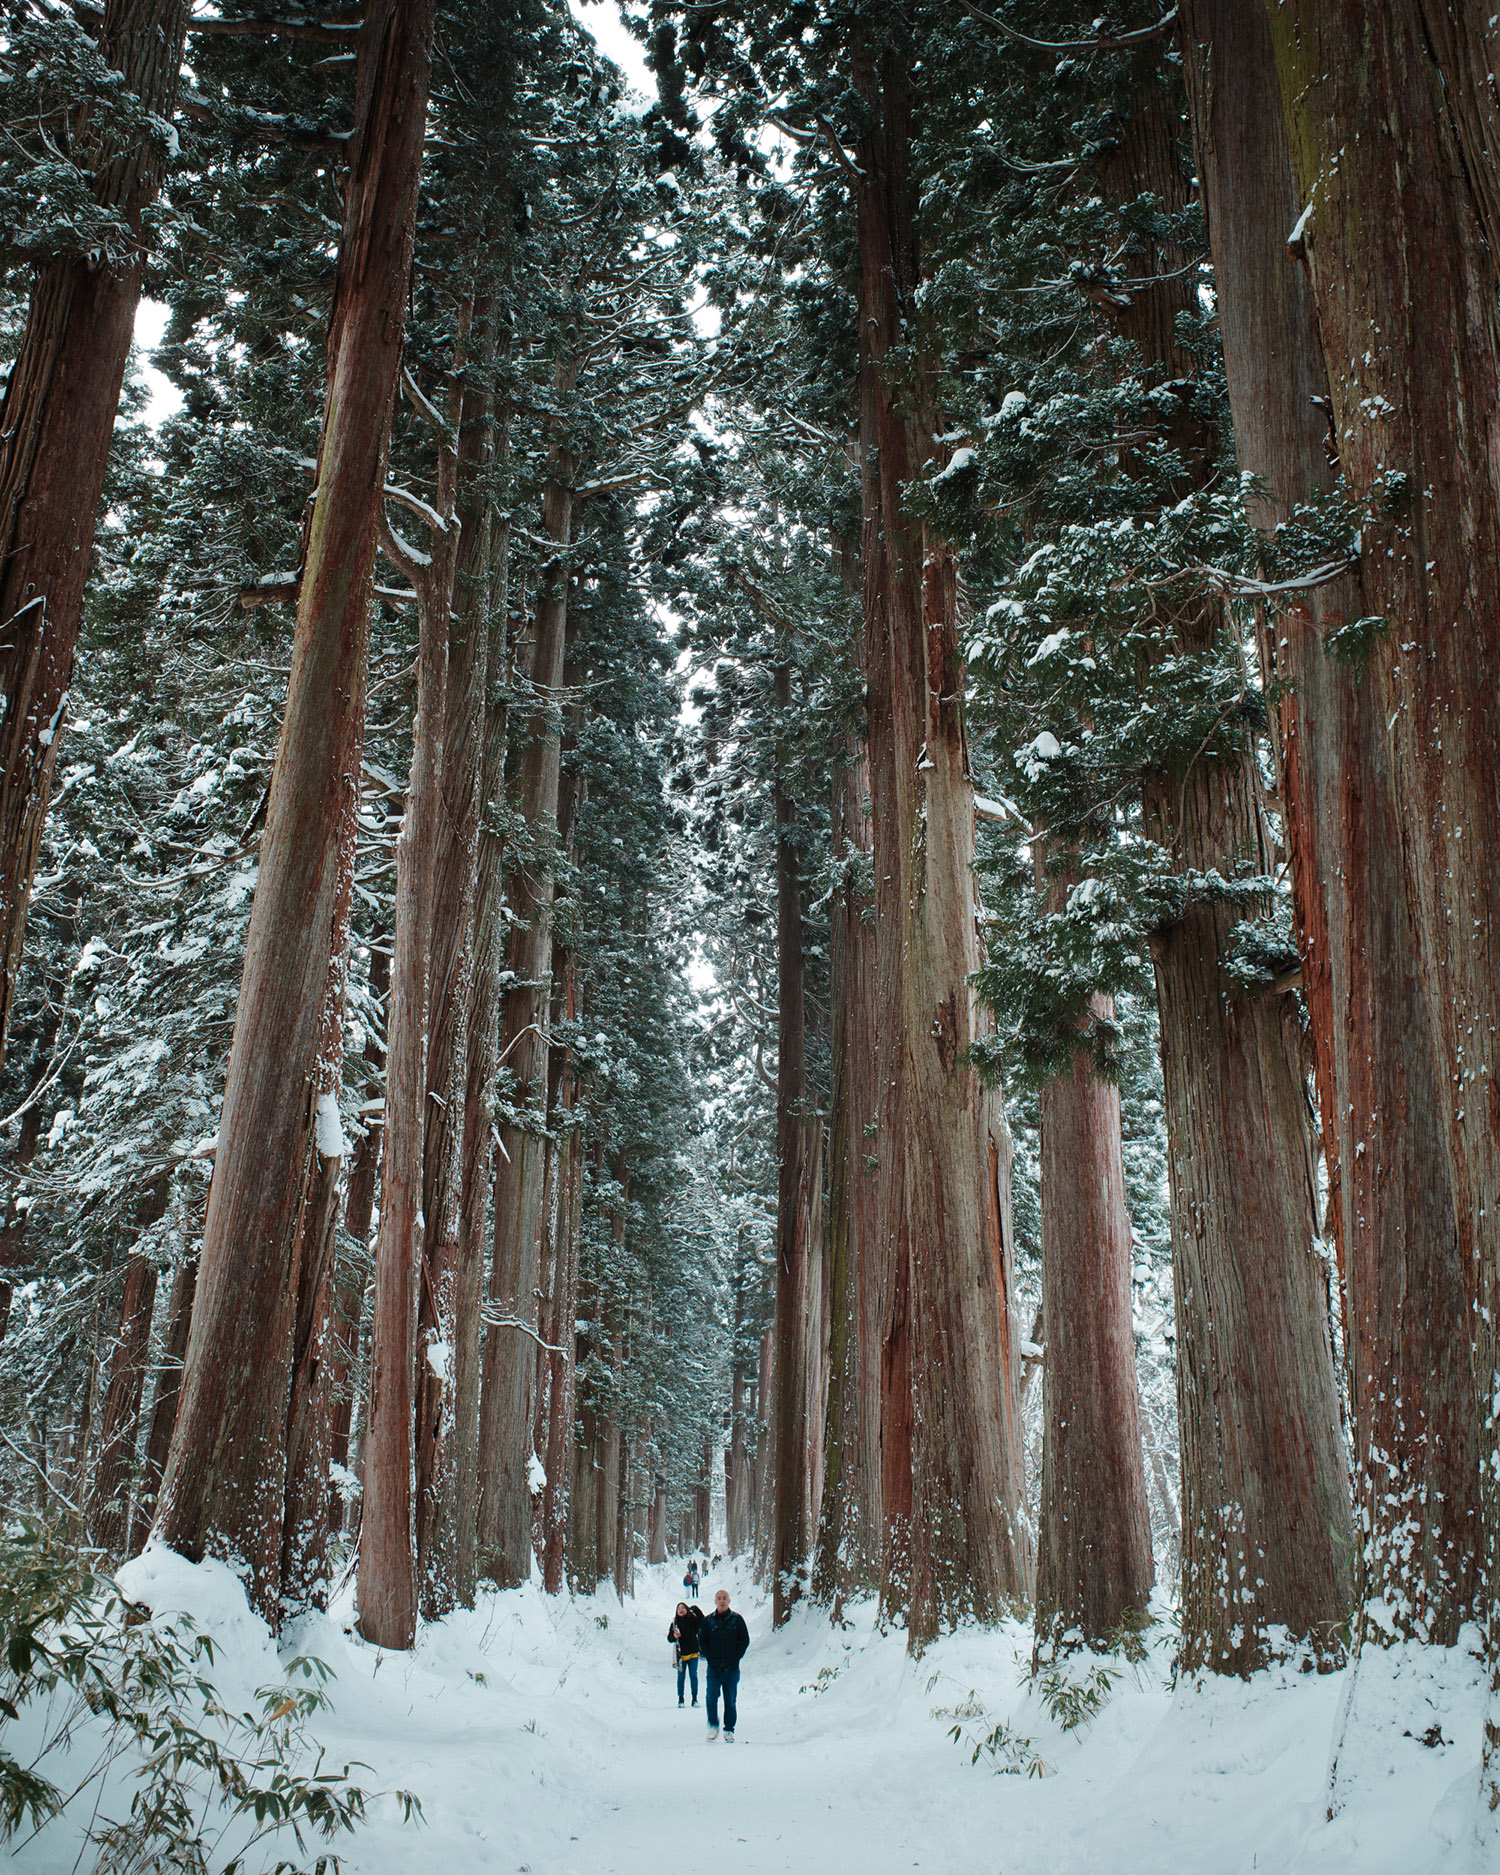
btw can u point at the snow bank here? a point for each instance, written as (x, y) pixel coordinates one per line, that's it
(543, 1735)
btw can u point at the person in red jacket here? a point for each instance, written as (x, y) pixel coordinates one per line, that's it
(683, 1633)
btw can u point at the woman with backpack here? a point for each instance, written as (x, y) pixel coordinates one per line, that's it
(683, 1634)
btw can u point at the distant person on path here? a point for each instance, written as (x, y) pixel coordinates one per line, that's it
(683, 1633)
(690, 1580)
(723, 1640)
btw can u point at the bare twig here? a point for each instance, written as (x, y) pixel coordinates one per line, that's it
(509, 1321)
(61, 1496)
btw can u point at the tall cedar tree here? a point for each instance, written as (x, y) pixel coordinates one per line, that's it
(223, 1490)
(1266, 1524)
(1398, 234)
(1407, 1327)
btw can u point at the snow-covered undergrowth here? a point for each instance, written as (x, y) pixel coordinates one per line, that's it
(542, 1736)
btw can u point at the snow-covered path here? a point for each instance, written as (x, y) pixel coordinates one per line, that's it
(543, 1737)
(572, 1758)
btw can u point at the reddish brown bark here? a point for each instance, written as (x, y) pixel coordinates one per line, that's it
(625, 1535)
(952, 1474)
(310, 1418)
(1266, 1523)
(1406, 1310)
(736, 1466)
(796, 1172)
(606, 1467)
(507, 1389)
(1399, 243)
(224, 1486)
(351, 1270)
(396, 1437)
(626, 1523)
(848, 1553)
(13, 1231)
(561, 1359)
(479, 1099)
(737, 1446)
(109, 1494)
(309, 1435)
(455, 878)
(56, 421)
(656, 1551)
(763, 1471)
(609, 1520)
(164, 1406)
(1094, 1562)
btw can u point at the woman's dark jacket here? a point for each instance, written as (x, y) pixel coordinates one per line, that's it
(684, 1630)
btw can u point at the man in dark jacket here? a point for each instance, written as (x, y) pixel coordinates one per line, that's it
(722, 1641)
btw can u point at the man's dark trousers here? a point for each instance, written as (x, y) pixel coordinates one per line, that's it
(729, 1684)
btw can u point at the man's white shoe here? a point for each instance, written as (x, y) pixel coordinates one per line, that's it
(729, 1738)
(713, 1733)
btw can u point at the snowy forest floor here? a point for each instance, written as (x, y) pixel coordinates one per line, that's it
(542, 1735)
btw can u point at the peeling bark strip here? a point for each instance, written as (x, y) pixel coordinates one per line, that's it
(1399, 245)
(952, 1477)
(1391, 1203)
(225, 1477)
(56, 421)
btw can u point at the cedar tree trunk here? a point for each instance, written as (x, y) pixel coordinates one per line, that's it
(1399, 240)
(1406, 1311)
(1266, 1523)
(848, 1552)
(56, 420)
(164, 1406)
(510, 1349)
(1094, 1562)
(109, 1494)
(476, 1171)
(225, 1476)
(394, 1437)
(952, 1472)
(794, 1209)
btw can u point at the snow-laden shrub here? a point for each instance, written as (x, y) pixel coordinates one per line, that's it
(110, 1727)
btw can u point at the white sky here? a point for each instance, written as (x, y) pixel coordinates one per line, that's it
(602, 19)
(150, 324)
